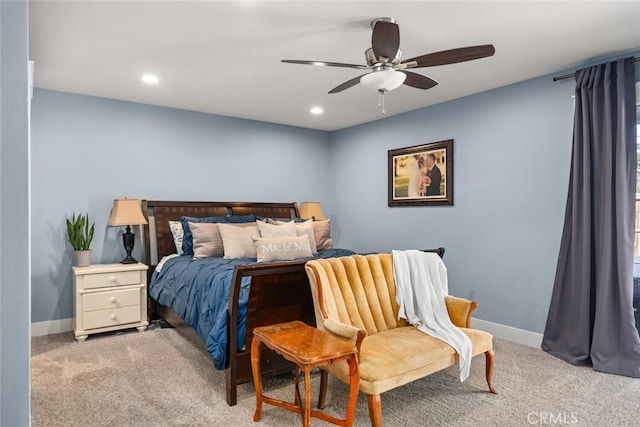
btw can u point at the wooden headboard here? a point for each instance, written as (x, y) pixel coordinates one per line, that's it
(157, 234)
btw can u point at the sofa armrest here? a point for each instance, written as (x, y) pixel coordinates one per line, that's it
(346, 332)
(460, 310)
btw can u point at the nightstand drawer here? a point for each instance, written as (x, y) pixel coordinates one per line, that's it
(112, 299)
(111, 317)
(119, 278)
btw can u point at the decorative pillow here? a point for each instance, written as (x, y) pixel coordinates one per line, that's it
(282, 248)
(187, 240)
(177, 232)
(303, 229)
(273, 220)
(238, 240)
(240, 219)
(207, 241)
(322, 234)
(276, 230)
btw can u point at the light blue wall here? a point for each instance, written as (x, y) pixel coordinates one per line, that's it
(88, 151)
(511, 168)
(512, 148)
(14, 215)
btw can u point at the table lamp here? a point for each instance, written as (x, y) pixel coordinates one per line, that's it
(127, 212)
(311, 210)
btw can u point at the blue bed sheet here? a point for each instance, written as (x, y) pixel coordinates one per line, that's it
(198, 292)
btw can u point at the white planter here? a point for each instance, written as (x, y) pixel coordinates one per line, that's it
(82, 258)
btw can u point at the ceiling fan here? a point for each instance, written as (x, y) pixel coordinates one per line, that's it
(388, 71)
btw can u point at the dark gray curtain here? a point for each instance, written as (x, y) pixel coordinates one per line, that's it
(590, 319)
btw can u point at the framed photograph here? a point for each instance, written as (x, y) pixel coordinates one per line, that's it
(421, 175)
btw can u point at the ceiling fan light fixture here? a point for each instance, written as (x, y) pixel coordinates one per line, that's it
(385, 80)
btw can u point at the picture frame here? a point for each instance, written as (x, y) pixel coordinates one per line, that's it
(421, 175)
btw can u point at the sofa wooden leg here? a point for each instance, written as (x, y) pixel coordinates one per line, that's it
(375, 409)
(490, 360)
(322, 396)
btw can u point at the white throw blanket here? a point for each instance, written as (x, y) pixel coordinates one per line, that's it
(421, 283)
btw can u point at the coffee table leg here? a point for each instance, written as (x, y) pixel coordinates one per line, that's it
(257, 380)
(307, 396)
(297, 399)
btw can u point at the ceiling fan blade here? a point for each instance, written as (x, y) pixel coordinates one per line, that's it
(325, 64)
(385, 40)
(346, 85)
(418, 80)
(451, 56)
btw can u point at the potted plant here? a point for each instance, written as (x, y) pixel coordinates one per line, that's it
(80, 236)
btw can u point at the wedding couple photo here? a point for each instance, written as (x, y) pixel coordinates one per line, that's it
(420, 175)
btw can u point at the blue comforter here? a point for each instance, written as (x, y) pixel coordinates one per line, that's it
(198, 292)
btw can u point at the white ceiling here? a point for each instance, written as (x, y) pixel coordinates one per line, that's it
(223, 57)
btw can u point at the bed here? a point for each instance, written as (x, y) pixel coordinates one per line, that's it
(258, 293)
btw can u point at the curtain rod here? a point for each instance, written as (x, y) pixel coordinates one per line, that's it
(568, 76)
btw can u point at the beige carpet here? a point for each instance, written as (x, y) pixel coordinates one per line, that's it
(158, 378)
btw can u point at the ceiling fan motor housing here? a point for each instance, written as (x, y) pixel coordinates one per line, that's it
(383, 19)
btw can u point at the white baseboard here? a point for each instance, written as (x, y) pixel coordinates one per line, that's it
(51, 327)
(520, 336)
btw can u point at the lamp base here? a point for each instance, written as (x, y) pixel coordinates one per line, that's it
(128, 239)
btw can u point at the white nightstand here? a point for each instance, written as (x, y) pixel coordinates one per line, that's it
(108, 297)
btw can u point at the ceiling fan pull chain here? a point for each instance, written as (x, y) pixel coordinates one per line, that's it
(381, 94)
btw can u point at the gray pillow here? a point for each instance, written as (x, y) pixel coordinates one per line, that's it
(322, 234)
(207, 241)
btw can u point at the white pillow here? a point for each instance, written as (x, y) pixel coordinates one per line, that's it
(238, 240)
(287, 229)
(282, 248)
(303, 229)
(177, 232)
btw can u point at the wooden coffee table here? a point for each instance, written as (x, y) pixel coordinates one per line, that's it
(308, 348)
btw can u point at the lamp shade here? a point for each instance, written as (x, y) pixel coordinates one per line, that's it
(126, 212)
(384, 80)
(311, 210)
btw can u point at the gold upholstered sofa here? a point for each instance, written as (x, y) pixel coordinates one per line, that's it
(355, 299)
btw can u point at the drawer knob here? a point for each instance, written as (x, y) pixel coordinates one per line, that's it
(113, 316)
(113, 279)
(112, 299)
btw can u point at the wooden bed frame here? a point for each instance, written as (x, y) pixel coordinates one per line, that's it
(279, 292)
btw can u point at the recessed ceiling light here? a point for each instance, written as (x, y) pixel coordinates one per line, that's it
(150, 78)
(316, 110)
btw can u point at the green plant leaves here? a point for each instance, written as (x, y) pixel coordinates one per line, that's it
(80, 233)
